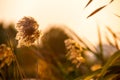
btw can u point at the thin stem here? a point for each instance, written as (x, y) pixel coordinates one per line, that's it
(16, 61)
(100, 45)
(19, 69)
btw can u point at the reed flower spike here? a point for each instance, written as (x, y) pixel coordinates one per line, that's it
(6, 56)
(28, 31)
(74, 52)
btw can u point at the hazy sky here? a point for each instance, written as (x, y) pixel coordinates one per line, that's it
(68, 12)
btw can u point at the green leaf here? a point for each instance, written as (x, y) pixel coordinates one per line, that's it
(110, 61)
(112, 71)
(110, 77)
(89, 76)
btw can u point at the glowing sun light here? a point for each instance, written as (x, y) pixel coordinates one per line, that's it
(68, 12)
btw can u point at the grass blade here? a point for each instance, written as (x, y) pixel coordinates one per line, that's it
(81, 41)
(89, 76)
(108, 40)
(114, 36)
(90, 44)
(99, 9)
(110, 61)
(111, 1)
(117, 15)
(96, 11)
(92, 75)
(100, 44)
(88, 3)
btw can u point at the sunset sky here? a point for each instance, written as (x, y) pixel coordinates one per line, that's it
(68, 12)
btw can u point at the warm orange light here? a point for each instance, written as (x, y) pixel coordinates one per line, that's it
(69, 12)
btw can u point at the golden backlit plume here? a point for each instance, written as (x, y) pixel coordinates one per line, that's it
(28, 31)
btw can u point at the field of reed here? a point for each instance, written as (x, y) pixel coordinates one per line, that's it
(58, 53)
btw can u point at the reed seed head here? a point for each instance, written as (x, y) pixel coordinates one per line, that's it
(28, 31)
(74, 52)
(6, 56)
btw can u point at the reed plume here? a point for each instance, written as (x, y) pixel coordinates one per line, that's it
(28, 31)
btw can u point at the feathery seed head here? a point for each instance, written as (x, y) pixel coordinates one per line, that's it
(28, 31)
(74, 52)
(6, 56)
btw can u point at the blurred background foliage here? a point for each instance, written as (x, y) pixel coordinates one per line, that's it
(60, 54)
(46, 60)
